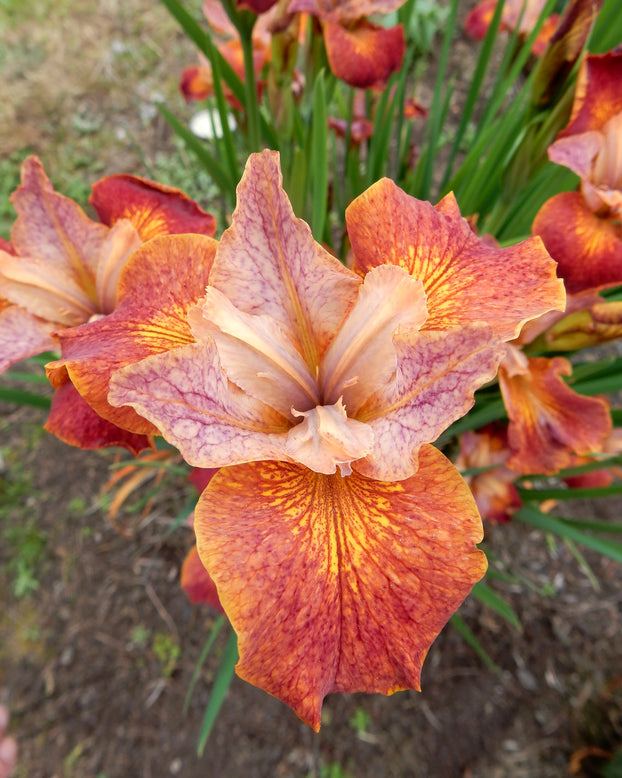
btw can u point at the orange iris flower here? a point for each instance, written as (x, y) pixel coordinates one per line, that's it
(516, 13)
(581, 229)
(340, 541)
(360, 53)
(62, 269)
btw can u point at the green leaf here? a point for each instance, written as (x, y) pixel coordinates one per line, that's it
(211, 638)
(561, 493)
(219, 690)
(20, 397)
(465, 631)
(209, 162)
(492, 600)
(532, 516)
(319, 159)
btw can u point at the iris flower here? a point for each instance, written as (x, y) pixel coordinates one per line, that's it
(62, 269)
(550, 423)
(523, 14)
(340, 541)
(360, 53)
(581, 229)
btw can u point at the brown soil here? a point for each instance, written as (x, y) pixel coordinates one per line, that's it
(88, 660)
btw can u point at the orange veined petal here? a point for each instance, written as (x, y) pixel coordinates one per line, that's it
(55, 251)
(365, 55)
(458, 270)
(197, 583)
(598, 96)
(587, 247)
(153, 209)
(479, 18)
(73, 421)
(345, 11)
(549, 422)
(158, 286)
(337, 584)
(196, 82)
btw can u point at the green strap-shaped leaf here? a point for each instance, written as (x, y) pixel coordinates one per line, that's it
(219, 690)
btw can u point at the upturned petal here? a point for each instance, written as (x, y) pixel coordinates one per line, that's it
(587, 247)
(549, 422)
(361, 359)
(159, 284)
(597, 96)
(186, 395)
(255, 353)
(337, 584)
(437, 375)
(366, 55)
(153, 209)
(458, 270)
(268, 264)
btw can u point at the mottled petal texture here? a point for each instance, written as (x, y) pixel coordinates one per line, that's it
(337, 584)
(458, 271)
(268, 263)
(186, 395)
(437, 375)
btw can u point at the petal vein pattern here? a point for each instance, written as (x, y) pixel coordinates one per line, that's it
(337, 584)
(268, 263)
(185, 393)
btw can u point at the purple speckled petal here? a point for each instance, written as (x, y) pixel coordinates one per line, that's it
(438, 372)
(187, 396)
(268, 263)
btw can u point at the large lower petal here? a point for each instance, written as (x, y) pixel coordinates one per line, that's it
(159, 284)
(337, 584)
(437, 375)
(186, 395)
(588, 248)
(466, 281)
(549, 422)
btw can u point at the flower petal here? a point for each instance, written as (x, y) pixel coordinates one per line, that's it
(154, 209)
(255, 353)
(197, 583)
(268, 264)
(185, 393)
(337, 584)
(327, 437)
(598, 96)
(366, 55)
(361, 359)
(549, 422)
(437, 374)
(588, 248)
(458, 270)
(76, 423)
(159, 284)
(22, 335)
(54, 230)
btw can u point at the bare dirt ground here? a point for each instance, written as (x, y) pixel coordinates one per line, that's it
(97, 641)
